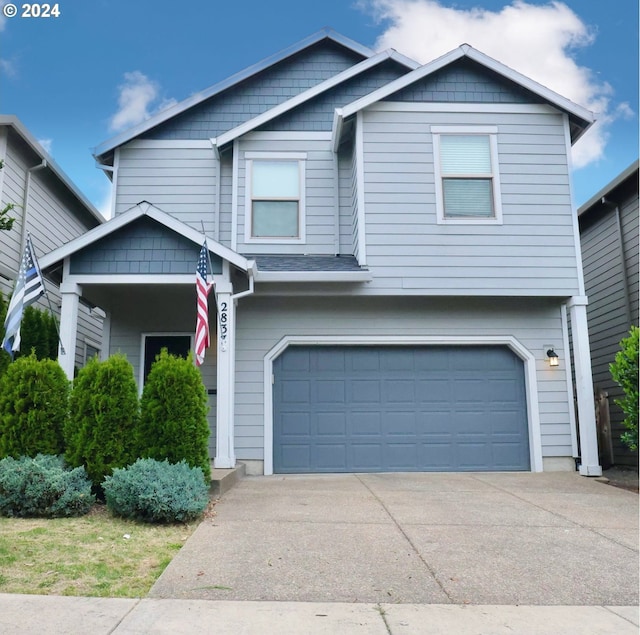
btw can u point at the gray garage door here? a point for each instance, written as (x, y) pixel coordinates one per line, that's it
(381, 409)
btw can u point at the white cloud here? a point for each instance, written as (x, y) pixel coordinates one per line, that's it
(47, 144)
(7, 67)
(137, 96)
(536, 40)
(103, 204)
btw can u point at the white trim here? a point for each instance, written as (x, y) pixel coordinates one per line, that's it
(531, 381)
(300, 157)
(492, 133)
(283, 135)
(313, 276)
(217, 197)
(105, 349)
(235, 169)
(574, 211)
(569, 380)
(121, 220)
(146, 334)
(305, 96)
(467, 51)
(336, 129)
(114, 181)
(168, 143)
(336, 202)
(87, 341)
(361, 213)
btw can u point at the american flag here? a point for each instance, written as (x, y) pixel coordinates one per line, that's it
(29, 287)
(203, 287)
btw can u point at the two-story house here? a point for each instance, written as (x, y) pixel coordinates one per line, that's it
(395, 254)
(50, 208)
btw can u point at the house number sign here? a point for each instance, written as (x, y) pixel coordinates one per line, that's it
(224, 325)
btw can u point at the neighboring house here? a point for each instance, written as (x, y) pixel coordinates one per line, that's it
(50, 208)
(609, 238)
(394, 250)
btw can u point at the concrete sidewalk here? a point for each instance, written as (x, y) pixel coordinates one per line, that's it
(34, 615)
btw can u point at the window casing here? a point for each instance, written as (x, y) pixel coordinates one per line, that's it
(275, 197)
(466, 175)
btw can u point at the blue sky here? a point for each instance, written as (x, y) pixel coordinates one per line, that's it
(100, 67)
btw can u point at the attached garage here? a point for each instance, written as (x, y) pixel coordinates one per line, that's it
(399, 408)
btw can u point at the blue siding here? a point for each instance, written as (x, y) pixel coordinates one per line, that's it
(465, 81)
(317, 114)
(143, 247)
(256, 95)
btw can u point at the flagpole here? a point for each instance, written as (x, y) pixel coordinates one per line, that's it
(46, 295)
(209, 260)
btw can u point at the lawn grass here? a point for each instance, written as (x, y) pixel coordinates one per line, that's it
(94, 555)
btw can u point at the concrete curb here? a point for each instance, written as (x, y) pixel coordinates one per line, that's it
(35, 614)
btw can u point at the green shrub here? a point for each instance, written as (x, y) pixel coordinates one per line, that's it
(42, 487)
(103, 414)
(157, 491)
(624, 371)
(34, 398)
(38, 333)
(173, 414)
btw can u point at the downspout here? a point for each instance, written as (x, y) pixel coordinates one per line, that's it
(25, 198)
(251, 270)
(621, 257)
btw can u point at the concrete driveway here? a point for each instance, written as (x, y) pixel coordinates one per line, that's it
(517, 538)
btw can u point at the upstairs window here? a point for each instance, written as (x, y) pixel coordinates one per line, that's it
(467, 185)
(275, 200)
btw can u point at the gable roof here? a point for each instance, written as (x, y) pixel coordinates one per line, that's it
(55, 257)
(324, 34)
(312, 92)
(581, 117)
(13, 122)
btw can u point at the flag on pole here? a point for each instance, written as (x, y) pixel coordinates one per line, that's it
(203, 287)
(29, 287)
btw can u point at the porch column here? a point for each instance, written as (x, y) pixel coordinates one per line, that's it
(589, 462)
(226, 342)
(70, 292)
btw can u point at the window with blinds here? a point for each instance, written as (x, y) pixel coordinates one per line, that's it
(275, 199)
(467, 176)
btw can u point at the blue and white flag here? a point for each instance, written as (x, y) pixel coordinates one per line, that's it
(29, 287)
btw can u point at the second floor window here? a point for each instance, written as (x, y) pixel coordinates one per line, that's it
(275, 199)
(467, 180)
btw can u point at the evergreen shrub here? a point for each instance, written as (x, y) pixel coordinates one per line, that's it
(34, 397)
(157, 491)
(624, 371)
(173, 414)
(42, 487)
(103, 414)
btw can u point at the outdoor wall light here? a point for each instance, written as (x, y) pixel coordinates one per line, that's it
(552, 357)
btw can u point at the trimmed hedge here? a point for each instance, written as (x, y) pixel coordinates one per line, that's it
(103, 414)
(173, 414)
(157, 491)
(34, 399)
(42, 487)
(624, 371)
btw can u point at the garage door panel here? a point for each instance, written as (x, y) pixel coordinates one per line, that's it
(366, 457)
(399, 408)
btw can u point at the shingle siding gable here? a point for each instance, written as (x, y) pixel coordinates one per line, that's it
(465, 81)
(257, 94)
(316, 115)
(143, 247)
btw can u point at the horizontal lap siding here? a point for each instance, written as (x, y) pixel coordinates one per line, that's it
(320, 203)
(531, 253)
(179, 181)
(262, 322)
